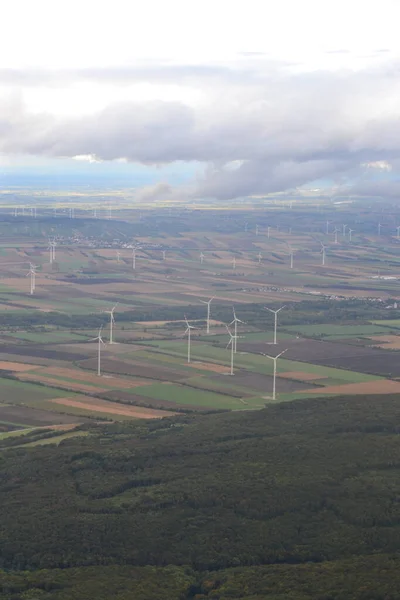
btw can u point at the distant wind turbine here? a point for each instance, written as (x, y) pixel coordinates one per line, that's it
(274, 359)
(201, 257)
(344, 230)
(323, 252)
(187, 332)
(98, 339)
(134, 259)
(235, 324)
(32, 273)
(232, 343)
(112, 321)
(118, 255)
(208, 302)
(398, 232)
(259, 256)
(163, 254)
(234, 263)
(335, 233)
(275, 313)
(351, 231)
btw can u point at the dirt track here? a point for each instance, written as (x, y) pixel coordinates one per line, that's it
(15, 366)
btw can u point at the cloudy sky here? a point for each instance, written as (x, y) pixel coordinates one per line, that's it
(195, 99)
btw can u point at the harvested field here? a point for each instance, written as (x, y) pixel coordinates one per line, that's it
(15, 366)
(301, 375)
(390, 342)
(26, 416)
(85, 377)
(103, 406)
(135, 369)
(381, 386)
(263, 383)
(34, 350)
(59, 383)
(383, 363)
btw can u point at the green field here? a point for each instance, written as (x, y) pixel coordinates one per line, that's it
(188, 396)
(347, 331)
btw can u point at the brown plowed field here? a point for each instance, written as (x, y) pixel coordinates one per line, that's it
(87, 377)
(24, 415)
(15, 366)
(70, 385)
(263, 383)
(209, 367)
(103, 406)
(135, 369)
(389, 342)
(301, 375)
(382, 386)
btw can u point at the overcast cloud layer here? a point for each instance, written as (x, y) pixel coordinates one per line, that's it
(257, 126)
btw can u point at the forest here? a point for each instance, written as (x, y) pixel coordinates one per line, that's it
(297, 501)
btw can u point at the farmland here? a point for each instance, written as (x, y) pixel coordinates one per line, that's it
(338, 328)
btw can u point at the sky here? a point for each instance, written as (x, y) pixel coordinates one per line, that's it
(185, 100)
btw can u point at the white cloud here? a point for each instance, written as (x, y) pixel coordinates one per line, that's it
(380, 165)
(90, 158)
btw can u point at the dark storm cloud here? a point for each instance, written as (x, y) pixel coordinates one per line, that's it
(260, 129)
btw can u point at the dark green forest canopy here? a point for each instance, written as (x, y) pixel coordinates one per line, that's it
(211, 506)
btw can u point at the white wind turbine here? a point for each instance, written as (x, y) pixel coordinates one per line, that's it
(201, 257)
(50, 248)
(188, 330)
(134, 259)
(274, 358)
(335, 233)
(379, 228)
(234, 263)
(112, 321)
(291, 254)
(257, 229)
(275, 313)
(118, 256)
(232, 342)
(163, 254)
(268, 231)
(259, 256)
(98, 339)
(323, 252)
(344, 229)
(32, 273)
(53, 245)
(398, 232)
(208, 302)
(327, 227)
(351, 231)
(235, 323)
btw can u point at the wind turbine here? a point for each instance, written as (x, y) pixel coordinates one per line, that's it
(291, 256)
(275, 312)
(32, 273)
(344, 229)
(256, 229)
(112, 321)
(335, 232)
(268, 231)
(379, 228)
(327, 227)
(232, 342)
(118, 255)
(259, 256)
(188, 330)
(50, 247)
(235, 322)
(234, 263)
(163, 254)
(351, 231)
(398, 232)
(98, 339)
(275, 358)
(54, 244)
(208, 302)
(323, 252)
(246, 225)
(134, 259)
(201, 257)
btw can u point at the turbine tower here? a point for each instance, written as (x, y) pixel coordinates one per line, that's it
(235, 322)
(98, 339)
(379, 228)
(118, 255)
(259, 256)
(232, 342)
(323, 252)
(327, 227)
(188, 330)
(398, 232)
(112, 321)
(275, 312)
(32, 273)
(274, 359)
(134, 259)
(234, 263)
(256, 229)
(163, 254)
(344, 229)
(335, 233)
(201, 257)
(208, 302)
(50, 248)
(351, 231)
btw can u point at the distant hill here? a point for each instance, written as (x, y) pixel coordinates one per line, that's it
(298, 501)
